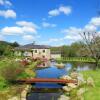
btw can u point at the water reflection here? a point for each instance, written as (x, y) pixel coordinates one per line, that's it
(44, 64)
(44, 94)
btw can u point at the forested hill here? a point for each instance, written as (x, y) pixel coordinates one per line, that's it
(5, 47)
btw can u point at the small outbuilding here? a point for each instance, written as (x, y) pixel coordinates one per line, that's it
(55, 54)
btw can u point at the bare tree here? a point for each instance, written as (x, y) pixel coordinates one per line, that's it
(91, 41)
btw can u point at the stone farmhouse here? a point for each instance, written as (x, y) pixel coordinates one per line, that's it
(32, 50)
(36, 51)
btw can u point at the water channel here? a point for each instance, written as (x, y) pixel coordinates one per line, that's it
(52, 91)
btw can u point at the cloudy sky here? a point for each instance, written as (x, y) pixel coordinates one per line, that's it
(50, 22)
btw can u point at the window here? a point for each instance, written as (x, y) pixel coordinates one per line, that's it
(44, 64)
(35, 51)
(43, 56)
(43, 51)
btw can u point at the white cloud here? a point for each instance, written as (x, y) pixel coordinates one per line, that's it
(29, 30)
(28, 37)
(5, 3)
(20, 29)
(8, 3)
(65, 9)
(54, 12)
(26, 24)
(48, 25)
(90, 28)
(95, 21)
(72, 34)
(93, 25)
(62, 9)
(12, 31)
(8, 13)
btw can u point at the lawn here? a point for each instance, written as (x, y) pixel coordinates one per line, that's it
(93, 93)
(76, 59)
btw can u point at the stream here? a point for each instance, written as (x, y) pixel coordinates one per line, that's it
(52, 91)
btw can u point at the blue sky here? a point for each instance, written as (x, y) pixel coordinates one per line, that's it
(50, 22)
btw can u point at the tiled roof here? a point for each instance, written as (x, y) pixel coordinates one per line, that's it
(32, 46)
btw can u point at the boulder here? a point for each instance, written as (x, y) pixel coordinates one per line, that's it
(81, 80)
(72, 85)
(23, 94)
(66, 88)
(74, 75)
(63, 97)
(90, 82)
(61, 65)
(80, 93)
(14, 98)
(66, 77)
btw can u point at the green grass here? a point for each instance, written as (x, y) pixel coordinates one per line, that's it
(75, 59)
(93, 93)
(27, 72)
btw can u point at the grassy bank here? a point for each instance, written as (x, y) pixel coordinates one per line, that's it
(76, 59)
(11, 70)
(93, 93)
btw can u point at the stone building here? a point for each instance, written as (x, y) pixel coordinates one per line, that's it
(32, 50)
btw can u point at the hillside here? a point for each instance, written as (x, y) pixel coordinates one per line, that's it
(5, 47)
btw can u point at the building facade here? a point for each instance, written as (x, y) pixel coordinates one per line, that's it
(35, 51)
(55, 54)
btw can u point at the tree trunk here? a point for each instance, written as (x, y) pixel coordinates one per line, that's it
(96, 63)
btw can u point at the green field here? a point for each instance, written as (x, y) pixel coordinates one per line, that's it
(76, 59)
(93, 93)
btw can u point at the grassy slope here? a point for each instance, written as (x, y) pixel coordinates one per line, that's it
(93, 93)
(28, 73)
(76, 59)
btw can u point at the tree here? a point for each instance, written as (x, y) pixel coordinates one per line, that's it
(15, 44)
(91, 41)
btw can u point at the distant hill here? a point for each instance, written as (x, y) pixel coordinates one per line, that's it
(5, 43)
(5, 47)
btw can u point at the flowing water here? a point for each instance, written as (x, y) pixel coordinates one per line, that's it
(52, 91)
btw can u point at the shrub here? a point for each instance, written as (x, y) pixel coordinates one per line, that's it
(2, 83)
(11, 71)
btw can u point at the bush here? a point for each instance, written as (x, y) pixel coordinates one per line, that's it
(2, 83)
(11, 71)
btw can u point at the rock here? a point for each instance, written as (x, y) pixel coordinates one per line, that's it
(66, 88)
(66, 77)
(28, 87)
(90, 82)
(81, 80)
(63, 97)
(23, 98)
(72, 85)
(81, 91)
(23, 94)
(14, 98)
(74, 75)
(61, 65)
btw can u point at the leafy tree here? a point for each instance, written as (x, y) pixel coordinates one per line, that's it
(15, 44)
(91, 43)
